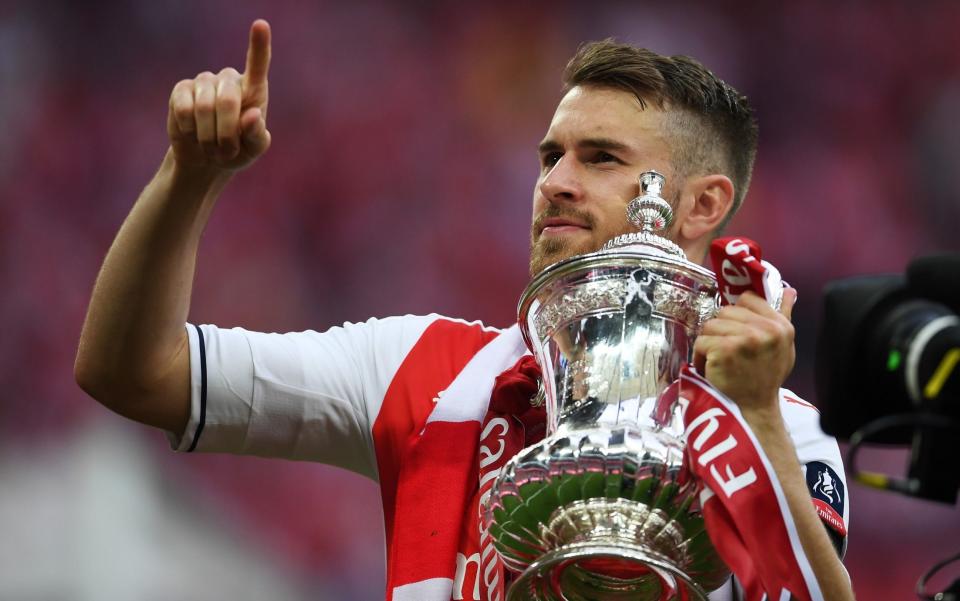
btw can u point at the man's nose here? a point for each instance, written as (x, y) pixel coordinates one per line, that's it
(563, 182)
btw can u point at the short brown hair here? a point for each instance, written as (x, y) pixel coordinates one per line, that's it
(714, 126)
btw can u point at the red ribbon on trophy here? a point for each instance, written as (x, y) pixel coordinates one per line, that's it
(739, 265)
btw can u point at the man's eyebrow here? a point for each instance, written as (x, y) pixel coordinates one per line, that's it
(603, 144)
(597, 143)
(548, 146)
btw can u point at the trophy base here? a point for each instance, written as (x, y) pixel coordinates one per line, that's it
(602, 514)
(588, 571)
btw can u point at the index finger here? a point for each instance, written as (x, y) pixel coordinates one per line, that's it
(258, 53)
(754, 302)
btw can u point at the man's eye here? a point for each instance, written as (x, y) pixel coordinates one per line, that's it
(551, 158)
(606, 157)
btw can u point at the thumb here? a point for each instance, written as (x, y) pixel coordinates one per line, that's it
(253, 130)
(788, 302)
(699, 360)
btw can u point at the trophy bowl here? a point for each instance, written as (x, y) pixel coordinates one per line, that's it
(604, 508)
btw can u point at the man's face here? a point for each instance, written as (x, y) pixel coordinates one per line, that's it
(599, 142)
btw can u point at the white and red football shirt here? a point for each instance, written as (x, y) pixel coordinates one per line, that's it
(353, 396)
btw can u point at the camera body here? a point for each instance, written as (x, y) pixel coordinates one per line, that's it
(889, 345)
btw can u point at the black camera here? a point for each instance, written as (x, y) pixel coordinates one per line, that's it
(888, 370)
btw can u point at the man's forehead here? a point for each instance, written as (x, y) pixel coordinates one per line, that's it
(595, 113)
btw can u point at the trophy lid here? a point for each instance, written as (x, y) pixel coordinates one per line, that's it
(652, 214)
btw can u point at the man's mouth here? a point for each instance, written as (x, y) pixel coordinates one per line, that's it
(555, 226)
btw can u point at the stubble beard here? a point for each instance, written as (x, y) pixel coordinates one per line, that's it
(544, 252)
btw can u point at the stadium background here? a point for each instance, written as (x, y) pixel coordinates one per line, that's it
(399, 181)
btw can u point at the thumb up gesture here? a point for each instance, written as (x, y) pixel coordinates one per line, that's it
(218, 121)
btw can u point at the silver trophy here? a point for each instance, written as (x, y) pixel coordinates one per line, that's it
(603, 508)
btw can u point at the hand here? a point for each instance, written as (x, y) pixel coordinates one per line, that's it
(747, 351)
(218, 122)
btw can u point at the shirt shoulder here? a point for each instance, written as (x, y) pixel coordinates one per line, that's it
(819, 454)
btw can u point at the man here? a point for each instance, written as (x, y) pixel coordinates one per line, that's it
(356, 396)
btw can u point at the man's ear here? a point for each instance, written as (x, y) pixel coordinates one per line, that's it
(709, 198)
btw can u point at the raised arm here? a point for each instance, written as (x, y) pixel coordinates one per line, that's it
(133, 355)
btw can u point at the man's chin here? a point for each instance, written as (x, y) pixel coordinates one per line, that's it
(548, 252)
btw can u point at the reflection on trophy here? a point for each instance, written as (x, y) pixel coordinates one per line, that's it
(603, 508)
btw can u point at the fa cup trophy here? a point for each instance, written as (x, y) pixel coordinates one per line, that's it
(603, 508)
